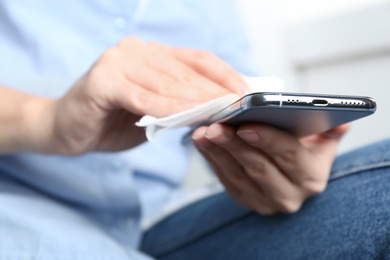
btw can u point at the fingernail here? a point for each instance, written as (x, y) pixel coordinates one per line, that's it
(249, 136)
(213, 134)
(198, 139)
(199, 133)
(216, 136)
(196, 136)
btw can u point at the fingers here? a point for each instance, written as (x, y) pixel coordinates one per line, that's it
(329, 140)
(159, 69)
(306, 161)
(286, 170)
(284, 149)
(167, 60)
(214, 68)
(231, 174)
(262, 185)
(334, 135)
(143, 101)
(151, 79)
(110, 90)
(257, 164)
(183, 76)
(166, 76)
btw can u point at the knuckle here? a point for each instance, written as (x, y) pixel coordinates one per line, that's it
(234, 192)
(265, 210)
(187, 78)
(95, 80)
(256, 169)
(99, 70)
(140, 101)
(162, 84)
(236, 175)
(73, 149)
(228, 76)
(179, 106)
(112, 53)
(289, 156)
(154, 46)
(314, 187)
(202, 55)
(289, 206)
(129, 41)
(145, 103)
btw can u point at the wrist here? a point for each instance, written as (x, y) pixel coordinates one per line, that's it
(36, 125)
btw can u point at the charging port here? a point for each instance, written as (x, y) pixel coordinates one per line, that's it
(319, 102)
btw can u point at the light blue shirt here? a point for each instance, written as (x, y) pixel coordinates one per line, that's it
(44, 47)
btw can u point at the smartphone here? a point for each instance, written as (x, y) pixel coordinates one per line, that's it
(299, 114)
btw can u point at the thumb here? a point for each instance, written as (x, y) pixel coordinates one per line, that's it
(327, 141)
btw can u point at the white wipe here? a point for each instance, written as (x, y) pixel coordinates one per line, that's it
(198, 114)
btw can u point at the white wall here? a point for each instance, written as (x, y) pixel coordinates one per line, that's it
(267, 22)
(299, 11)
(333, 46)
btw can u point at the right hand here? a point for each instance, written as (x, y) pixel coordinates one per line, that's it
(267, 169)
(130, 80)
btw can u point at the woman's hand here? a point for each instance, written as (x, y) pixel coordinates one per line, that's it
(266, 169)
(130, 80)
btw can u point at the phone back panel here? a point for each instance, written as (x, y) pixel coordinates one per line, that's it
(300, 114)
(300, 122)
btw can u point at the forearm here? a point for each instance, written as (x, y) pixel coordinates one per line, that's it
(23, 127)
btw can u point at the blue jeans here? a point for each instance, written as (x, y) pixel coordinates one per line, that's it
(350, 220)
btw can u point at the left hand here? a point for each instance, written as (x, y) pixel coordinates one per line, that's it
(266, 169)
(129, 80)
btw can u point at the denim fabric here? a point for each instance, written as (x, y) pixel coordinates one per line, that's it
(350, 220)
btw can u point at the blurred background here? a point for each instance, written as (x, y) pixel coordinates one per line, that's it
(322, 46)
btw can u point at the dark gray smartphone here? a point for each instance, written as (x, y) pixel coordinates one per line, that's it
(299, 114)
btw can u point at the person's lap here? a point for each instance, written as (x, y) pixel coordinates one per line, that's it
(350, 220)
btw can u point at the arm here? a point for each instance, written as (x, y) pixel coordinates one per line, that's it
(99, 111)
(20, 113)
